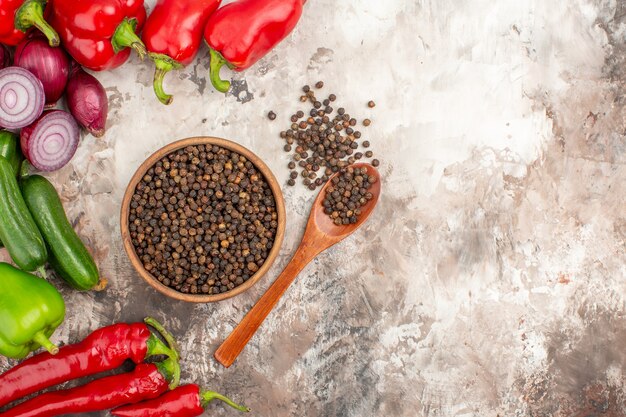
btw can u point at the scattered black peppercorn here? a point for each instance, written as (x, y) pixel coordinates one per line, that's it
(203, 220)
(271, 115)
(371, 104)
(367, 122)
(324, 142)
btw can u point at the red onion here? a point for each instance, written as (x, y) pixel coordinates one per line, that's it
(51, 141)
(51, 65)
(5, 56)
(21, 97)
(87, 101)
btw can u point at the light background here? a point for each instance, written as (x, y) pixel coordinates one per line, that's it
(490, 281)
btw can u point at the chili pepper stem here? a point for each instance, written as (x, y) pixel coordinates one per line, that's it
(31, 14)
(207, 396)
(217, 61)
(170, 369)
(163, 64)
(43, 340)
(126, 37)
(171, 366)
(155, 346)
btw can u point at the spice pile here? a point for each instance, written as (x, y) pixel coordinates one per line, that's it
(203, 220)
(346, 195)
(322, 144)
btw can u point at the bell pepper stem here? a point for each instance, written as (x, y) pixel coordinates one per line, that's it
(170, 369)
(156, 347)
(43, 340)
(215, 65)
(207, 396)
(30, 14)
(126, 37)
(163, 64)
(157, 84)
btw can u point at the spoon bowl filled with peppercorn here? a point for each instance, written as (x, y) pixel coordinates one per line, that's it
(346, 201)
(202, 219)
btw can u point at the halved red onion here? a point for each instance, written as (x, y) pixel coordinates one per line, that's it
(50, 65)
(51, 141)
(21, 97)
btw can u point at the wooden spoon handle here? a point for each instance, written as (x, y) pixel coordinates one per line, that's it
(237, 340)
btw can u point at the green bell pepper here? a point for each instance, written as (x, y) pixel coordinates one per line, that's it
(30, 311)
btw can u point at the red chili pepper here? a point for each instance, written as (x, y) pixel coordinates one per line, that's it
(19, 16)
(241, 33)
(184, 401)
(98, 33)
(144, 382)
(104, 349)
(173, 34)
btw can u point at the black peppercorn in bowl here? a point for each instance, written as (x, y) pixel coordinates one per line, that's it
(202, 219)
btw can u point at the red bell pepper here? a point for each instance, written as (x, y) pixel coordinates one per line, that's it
(184, 401)
(103, 350)
(18, 16)
(146, 381)
(173, 34)
(241, 33)
(98, 33)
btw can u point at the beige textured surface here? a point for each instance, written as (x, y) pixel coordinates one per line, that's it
(491, 279)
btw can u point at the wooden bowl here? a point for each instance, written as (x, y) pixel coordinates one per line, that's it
(130, 190)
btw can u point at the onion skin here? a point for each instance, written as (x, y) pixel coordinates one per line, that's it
(87, 101)
(5, 56)
(42, 125)
(51, 65)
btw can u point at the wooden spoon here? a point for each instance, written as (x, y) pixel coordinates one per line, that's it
(320, 234)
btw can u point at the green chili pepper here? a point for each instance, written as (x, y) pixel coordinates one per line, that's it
(30, 311)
